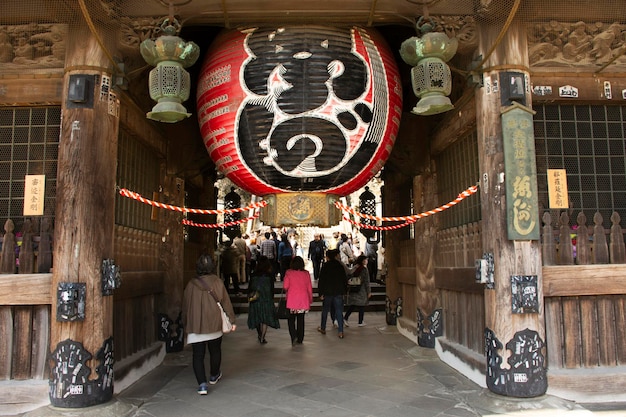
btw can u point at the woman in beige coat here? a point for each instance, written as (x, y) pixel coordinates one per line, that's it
(203, 320)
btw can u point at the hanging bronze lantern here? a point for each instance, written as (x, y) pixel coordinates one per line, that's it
(169, 82)
(430, 76)
(367, 206)
(232, 200)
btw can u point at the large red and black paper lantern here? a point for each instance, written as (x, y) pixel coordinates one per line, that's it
(300, 108)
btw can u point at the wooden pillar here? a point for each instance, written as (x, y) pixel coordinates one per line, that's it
(171, 255)
(390, 243)
(81, 340)
(514, 342)
(427, 300)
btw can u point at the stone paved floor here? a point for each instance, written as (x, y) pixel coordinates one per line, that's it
(373, 371)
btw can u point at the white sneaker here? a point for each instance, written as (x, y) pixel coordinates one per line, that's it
(335, 324)
(361, 324)
(345, 323)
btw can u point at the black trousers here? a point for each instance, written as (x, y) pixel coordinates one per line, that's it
(351, 308)
(296, 326)
(234, 278)
(317, 265)
(285, 262)
(198, 352)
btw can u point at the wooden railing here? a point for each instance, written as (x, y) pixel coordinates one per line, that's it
(25, 325)
(27, 251)
(582, 244)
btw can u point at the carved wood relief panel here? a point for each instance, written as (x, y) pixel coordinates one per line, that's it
(32, 46)
(560, 44)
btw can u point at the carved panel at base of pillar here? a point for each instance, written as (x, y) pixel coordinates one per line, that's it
(428, 328)
(526, 376)
(299, 209)
(70, 386)
(173, 336)
(393, 310)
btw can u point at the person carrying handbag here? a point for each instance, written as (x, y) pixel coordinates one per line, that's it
(261, 310)
(202, 319)
(357, 300)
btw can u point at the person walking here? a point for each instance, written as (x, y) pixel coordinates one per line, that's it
(299, 294)
(332, 286)
(317, 247)
(371, 251)
(230, 266)
(261, 309)
(267, 248)
(276, 263)
(345, 248)
(240, 244)
(285, 255)
(359, 298)
(202, 320)
(253, 249)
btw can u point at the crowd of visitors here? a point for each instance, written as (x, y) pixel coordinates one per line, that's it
(340, 269)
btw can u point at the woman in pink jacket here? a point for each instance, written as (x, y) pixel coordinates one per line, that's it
(299, 294)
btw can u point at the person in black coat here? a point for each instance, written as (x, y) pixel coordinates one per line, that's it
(317, 247)
(332, 286)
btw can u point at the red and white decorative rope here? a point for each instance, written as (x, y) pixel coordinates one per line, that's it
(218, 225)
(372, 227)
(463, 195)
(136, 196)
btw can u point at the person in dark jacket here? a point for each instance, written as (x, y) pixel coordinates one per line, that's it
(357, 300)
(230, 266)
(202, 320)
(285, 255)
(261, 310)
(332, 286)
(317, 247)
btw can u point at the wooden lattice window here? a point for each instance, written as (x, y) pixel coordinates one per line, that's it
(29, 144)
(137, 170)
(588, 141)
(457, 169)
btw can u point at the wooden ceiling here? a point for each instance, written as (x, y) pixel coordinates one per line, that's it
(229, 13)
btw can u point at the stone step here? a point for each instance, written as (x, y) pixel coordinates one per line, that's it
(376, 302)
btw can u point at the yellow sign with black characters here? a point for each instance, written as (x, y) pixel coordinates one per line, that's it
(557, 189)
(34, 192)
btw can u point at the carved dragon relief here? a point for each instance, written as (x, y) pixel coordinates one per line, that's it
(32, 46)
(559, 44)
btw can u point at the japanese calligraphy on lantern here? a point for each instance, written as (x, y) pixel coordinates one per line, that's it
(520, 173)
(557, 189)
(34, 190)
(299, 108)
